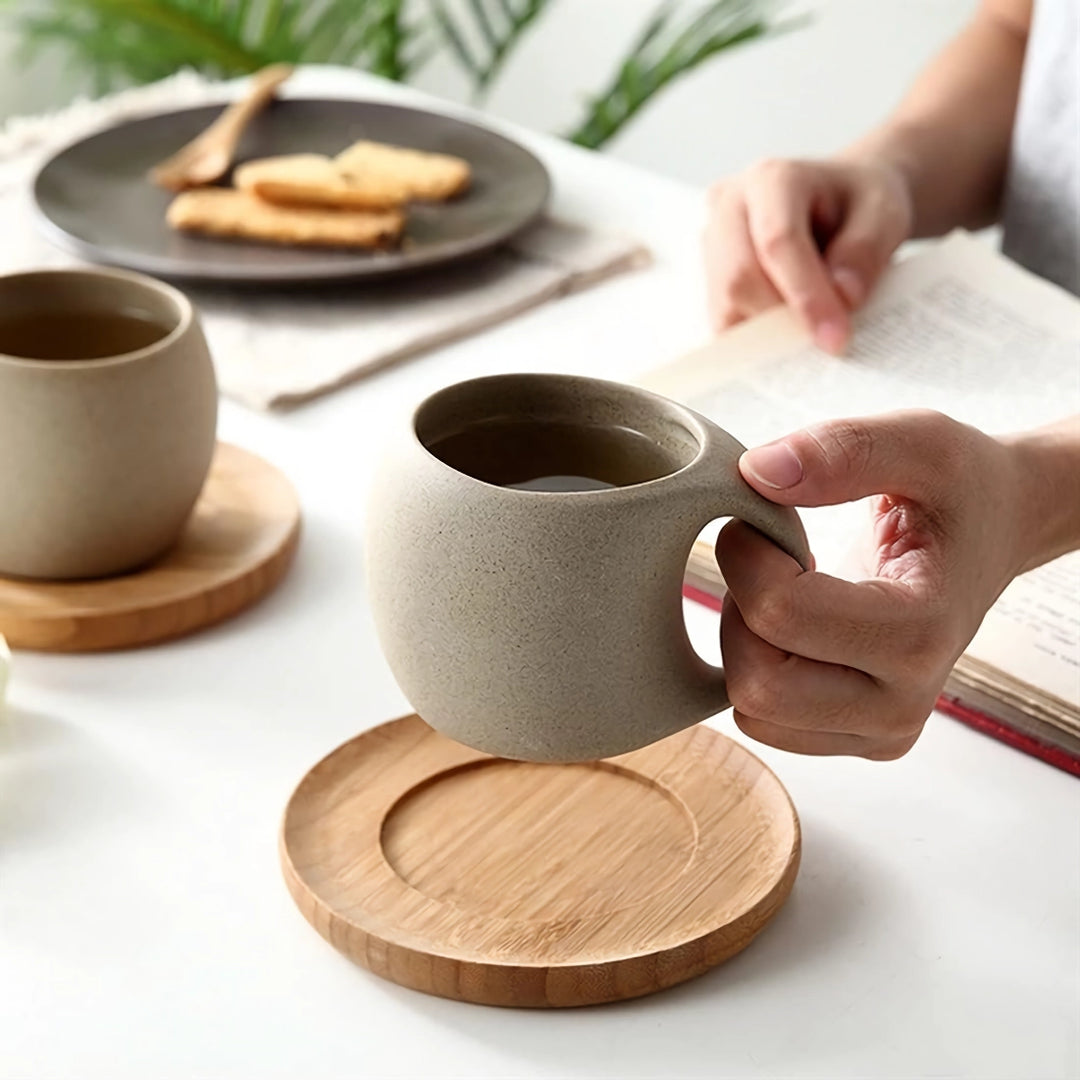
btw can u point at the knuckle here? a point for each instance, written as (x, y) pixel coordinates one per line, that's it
(921, 652)
(765, 733)
(781, 172)
(902, 734)
(743, 283)
(948, 447)
(811, 305)
(955, 450)
(845, 444)
(876, 199)
(768, 612)
(894, 198)
(934, 421)
(913, 663)
(777, 237)
(752, 693)
(892, 750)
(908, 720)
(927, 640)
(856, 251)
(725, 314)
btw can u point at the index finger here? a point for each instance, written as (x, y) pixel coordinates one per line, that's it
(780, 226)
(868, 625)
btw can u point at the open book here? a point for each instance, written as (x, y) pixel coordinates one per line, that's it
(960, 329)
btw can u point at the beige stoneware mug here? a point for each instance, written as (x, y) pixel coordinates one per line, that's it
(108, 411)
(526, 544)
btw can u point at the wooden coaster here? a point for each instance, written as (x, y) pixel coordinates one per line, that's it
(509, 883)
(235, 549)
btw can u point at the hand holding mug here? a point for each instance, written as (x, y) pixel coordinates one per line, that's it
(819, 665)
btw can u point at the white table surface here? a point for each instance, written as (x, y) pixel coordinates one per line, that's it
(145, 931)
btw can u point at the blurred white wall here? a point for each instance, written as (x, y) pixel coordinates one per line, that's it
(807, 92)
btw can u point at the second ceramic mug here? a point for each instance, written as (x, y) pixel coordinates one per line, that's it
(108, 411)
(543, 624)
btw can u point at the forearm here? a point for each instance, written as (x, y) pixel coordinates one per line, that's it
(1048, 477)
(949, 139)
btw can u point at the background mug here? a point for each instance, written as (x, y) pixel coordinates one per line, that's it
(108, 411)
(526, 544)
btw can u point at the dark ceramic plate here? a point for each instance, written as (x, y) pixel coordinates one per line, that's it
(95, 200)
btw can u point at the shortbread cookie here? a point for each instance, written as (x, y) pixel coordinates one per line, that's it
(232, 213)
(315, 180)
(420, 175)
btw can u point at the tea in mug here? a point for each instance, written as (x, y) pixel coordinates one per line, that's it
(542, 455)
(77, 335)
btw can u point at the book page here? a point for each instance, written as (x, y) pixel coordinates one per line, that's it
(1033, 631)
(959, 329)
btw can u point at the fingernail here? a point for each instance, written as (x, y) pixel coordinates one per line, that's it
(831, 336)
(850, 286)
(775, 465)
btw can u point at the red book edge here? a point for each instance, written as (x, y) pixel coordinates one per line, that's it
(1052, 755)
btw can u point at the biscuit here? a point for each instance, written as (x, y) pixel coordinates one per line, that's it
(420, 175)
(231, 213)
(314, 180)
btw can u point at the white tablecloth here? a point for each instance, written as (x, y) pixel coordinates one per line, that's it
(934, 930)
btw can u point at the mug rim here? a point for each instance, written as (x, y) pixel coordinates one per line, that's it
(686, 415)
(185, 310)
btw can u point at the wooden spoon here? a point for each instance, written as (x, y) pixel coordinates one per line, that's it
(208, 156)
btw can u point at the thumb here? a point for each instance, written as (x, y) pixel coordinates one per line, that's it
(873, 229)
(843, 460)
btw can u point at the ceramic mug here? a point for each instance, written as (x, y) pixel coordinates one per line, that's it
(547, 625)
(108, 410)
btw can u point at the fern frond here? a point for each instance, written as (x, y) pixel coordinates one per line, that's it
(141, 40)
(389, 35)
(454, 39)
(124, 41)
(666, 50)
(493, 26)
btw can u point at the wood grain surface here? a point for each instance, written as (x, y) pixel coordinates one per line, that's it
(237, 546)
(511, 883)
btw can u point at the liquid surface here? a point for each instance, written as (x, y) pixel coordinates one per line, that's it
(77, 335)
(540, 455)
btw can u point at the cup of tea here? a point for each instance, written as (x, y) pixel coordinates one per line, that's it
(527, 539)
(108, 411)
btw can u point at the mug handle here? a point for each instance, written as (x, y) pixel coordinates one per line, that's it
(717, 471)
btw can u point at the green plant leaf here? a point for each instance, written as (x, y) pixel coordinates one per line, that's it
(270, 17)
(494, 29)
(123, 41)
(652, 29)
(665, 50)
(213, 37)
(483, 21)
(454, 39)
(389, 38)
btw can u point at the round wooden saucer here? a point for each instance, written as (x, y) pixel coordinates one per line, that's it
(237, 546)
(509, 883)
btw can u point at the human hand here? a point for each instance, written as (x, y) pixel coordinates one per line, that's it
(814, 235)
(818, 665)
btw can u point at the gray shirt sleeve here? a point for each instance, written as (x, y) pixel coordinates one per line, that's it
(1041, 213)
